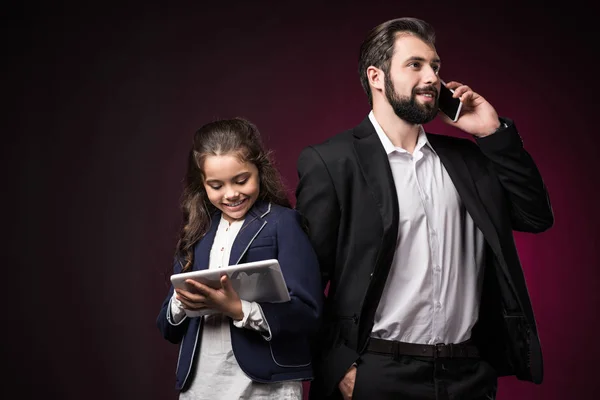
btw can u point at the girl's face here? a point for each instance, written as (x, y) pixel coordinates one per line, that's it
(232, 185)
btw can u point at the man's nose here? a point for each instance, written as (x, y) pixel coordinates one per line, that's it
(431, 76)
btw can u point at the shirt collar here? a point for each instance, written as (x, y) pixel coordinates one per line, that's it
(387, 143)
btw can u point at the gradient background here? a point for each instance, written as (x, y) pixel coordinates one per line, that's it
(101, 105)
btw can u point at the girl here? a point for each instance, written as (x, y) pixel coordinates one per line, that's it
(235, 210)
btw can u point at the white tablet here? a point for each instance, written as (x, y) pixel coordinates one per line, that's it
(253, 281)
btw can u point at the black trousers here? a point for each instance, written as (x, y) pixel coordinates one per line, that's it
(384, 377)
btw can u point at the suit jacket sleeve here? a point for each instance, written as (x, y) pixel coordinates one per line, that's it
(317, 201)
(300, 268)
(528, 198)
(171, 330)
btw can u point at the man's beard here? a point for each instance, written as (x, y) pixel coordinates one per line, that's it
(407, 108)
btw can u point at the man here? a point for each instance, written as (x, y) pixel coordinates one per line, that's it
(414, 234)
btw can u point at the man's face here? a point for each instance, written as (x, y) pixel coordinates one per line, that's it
(412, 84)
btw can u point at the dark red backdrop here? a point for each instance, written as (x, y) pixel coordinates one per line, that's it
(102, 105)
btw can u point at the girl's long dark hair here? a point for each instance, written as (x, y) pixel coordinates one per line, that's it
(232, 136)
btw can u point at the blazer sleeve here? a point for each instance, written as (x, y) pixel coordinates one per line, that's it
(519, 176)
(300, 268)
(317, 202)
(171, 330)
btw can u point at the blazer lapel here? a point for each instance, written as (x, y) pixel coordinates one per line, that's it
(202, 252)
(253, 224)
(461, 177)
(376, 169)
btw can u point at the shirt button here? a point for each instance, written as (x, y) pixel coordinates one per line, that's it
(438, 305)
(436, 268)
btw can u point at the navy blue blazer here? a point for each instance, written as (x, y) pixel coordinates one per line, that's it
(269, 231)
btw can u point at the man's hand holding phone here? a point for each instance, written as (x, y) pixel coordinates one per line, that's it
(475, 115)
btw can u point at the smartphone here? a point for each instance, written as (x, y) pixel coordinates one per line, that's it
(449, 105)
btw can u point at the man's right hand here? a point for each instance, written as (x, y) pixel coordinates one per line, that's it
(346, 385)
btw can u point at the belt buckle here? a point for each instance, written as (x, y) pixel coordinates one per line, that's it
(438, 350)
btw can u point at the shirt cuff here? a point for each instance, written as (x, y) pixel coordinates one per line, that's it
(176, 310)
(254, 319)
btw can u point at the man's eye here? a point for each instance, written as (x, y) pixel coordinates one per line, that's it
(414, 65)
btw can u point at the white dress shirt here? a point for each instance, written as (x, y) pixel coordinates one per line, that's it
(218, 375)
(433, 288)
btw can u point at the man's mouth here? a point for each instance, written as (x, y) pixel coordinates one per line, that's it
(427, 93)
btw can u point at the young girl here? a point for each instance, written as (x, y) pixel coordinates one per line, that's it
(235, 210)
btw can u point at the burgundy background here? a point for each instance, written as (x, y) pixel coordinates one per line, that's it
(101, 106)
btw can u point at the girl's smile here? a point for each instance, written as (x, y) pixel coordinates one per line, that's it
(232, 185)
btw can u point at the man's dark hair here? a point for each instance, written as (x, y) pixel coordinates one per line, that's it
(378, 47)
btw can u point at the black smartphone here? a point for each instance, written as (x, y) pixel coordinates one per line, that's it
(449, 105)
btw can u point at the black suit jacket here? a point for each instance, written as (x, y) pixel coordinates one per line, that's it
(347, 195)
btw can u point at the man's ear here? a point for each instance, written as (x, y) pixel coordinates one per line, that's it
(376, 78)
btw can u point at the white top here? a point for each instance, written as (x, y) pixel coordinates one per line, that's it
(433, 288)
(218, 375)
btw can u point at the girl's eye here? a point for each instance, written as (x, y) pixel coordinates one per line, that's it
(215, 187)
(242, 181)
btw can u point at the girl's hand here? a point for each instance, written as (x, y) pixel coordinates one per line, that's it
(224, 300)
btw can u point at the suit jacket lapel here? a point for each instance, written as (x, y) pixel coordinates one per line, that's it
(376, 169)
(455, 164)
(253, 224)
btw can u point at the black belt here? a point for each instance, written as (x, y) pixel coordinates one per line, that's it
(392, 347)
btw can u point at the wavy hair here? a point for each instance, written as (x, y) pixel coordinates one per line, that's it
(237, 137)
